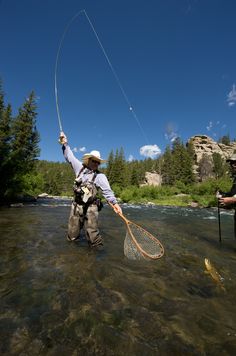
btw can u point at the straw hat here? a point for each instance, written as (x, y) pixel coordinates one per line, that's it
(232, 158)
(93, 154)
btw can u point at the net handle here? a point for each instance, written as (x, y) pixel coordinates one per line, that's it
(128, 228)
(121, 215)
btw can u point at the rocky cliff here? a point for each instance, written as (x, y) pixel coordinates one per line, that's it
(205, 145)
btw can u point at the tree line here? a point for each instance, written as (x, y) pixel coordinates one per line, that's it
(22, 174)
(19, 139)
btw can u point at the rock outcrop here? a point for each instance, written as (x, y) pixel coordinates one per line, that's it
(152, 179)
(205, 145)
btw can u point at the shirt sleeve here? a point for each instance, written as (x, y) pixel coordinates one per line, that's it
(101, 182)
(69, 156)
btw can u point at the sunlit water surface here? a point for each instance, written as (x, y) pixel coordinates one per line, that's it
(60, 298)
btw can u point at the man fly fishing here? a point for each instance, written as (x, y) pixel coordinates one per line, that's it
(85, 206)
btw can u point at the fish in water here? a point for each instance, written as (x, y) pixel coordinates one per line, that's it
(210, 269)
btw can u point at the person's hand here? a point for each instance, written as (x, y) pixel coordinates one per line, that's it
(227, 201)
(63, 138)
(117, 209)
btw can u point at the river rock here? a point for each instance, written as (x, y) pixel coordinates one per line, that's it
(43, 195)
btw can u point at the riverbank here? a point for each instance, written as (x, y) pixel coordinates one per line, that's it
(181, 200)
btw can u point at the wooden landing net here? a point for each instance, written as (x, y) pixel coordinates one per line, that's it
(139, 243)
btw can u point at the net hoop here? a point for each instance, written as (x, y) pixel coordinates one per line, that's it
(153, 238)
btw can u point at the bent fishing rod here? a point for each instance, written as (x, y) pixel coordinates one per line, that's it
(56, 65)
(131, 109)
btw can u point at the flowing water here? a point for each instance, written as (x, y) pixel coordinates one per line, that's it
(60, 298)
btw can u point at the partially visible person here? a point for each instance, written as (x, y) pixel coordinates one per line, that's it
(86, 204)
(228, 199)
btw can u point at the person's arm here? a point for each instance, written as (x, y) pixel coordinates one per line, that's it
(102, 182)
(229, 198)
(68, 154)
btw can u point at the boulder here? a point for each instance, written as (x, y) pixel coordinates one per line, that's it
(152, 178)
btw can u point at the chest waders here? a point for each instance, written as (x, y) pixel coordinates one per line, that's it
(84, 211)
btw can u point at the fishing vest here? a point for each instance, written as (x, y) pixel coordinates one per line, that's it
(85, 192)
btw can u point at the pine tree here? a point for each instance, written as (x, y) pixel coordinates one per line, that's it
(182, 163)
(5, 133)
(225, 140)
(219, 166)
(134, 174)
(24, 146)
(116, 168)
(110, 162)
(167, 167)
(25, 136)
(5, 141)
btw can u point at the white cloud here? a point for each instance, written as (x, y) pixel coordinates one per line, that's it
(215, 128)
(171, 132)
(175, 136)
(231, 97)
(209, 126)
(131, 158)
(150, 151)
(171, 137)
(82, 149)
(75, 149)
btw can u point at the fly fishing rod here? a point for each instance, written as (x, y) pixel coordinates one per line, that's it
(56, 65)
(235, 223)
(218, 196)
(219, 219)
(131, 109)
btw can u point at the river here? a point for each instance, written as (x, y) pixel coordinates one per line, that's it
(60, 298)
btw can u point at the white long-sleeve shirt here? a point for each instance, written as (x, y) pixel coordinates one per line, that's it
(87, 174)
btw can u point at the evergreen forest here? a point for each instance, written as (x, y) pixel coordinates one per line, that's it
(23, 176)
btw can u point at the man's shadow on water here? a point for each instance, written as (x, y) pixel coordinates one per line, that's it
(227, 244)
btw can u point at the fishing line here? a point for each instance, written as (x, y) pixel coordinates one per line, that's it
(109, 63)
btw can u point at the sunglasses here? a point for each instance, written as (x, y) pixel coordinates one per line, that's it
(94, 161)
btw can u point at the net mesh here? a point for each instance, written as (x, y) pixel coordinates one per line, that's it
(140, 244)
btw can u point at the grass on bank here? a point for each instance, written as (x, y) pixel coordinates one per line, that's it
(179, 195)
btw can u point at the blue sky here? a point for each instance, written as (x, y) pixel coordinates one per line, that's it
(175, 61)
